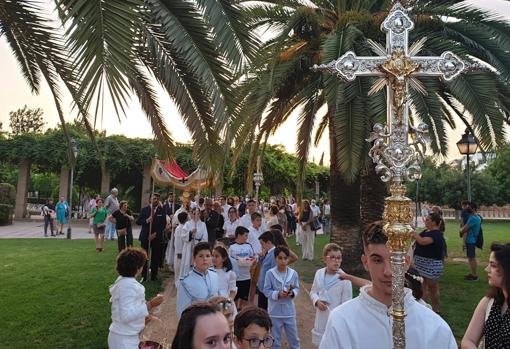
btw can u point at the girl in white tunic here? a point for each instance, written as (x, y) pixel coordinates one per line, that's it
(328, 291)
(194, 231)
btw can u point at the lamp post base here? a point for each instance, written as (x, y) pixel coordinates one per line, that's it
(69, 232)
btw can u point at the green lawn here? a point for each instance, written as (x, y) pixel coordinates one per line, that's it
(54, 293)
(458, 297)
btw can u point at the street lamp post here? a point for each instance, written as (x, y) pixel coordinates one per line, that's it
(258, 178)
(467, 146)
(74, 149)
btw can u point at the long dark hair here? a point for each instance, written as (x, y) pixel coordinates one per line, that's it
(413, 280)
(502, 255)
(186, 328)
(227, 264)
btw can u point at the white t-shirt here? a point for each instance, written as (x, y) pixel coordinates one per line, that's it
(327, 209)
(253, 239)
(240, 251)
(316, 210)
(230, 227)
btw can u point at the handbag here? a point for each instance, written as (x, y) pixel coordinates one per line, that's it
(316, 225)
(122, 232)
(53, 215)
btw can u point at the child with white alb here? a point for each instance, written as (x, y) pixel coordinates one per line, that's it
(328, 290)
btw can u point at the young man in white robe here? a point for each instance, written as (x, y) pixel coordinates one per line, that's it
(366, 321)
(245, 220)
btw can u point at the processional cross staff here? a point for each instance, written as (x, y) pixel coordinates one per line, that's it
(396, 158)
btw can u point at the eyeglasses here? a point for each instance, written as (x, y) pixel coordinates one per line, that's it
(255, 342)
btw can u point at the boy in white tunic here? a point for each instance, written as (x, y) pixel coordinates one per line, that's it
(179, 238)
(130, 311)
(366, 322)
(328, 290)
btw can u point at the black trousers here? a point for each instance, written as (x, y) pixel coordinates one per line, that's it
(155, 257)
(261, 300)
(126, 240)
(48, 221)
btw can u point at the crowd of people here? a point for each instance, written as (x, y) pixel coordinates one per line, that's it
(236, 287)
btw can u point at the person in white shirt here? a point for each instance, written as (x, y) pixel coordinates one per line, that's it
(366, 322)
(328, 290)
(231, 223)
(180, 237)
(245, 220)
(245, 257)
(225, 207)
(315, 209)
(130, 311)
(327, 217)
(194, 231)
(255, 232)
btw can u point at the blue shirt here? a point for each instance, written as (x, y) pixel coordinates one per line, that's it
(274, 283)
(474, 221)
(266, 263)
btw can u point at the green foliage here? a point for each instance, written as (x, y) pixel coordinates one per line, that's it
(443, 184)
(7, 201)
(7, 194)
(499, 169)
(26, 120)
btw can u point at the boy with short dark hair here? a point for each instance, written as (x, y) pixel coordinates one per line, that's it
(348, 323)
(281, 286)
(128, 297)
(180, 236)
(245, 257)
(255, 232)
(201, 283)
(266, 262)
(252, 328)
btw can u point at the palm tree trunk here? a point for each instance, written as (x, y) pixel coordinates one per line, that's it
(345, 214)
(373, 192)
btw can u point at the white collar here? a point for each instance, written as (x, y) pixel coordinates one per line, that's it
(278, 275)
(379, 307)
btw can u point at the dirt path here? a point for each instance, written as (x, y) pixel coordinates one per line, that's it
(163, 331)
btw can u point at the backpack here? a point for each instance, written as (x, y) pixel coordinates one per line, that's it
(479, 238)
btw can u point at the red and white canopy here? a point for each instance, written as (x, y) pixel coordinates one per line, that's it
(169, 173)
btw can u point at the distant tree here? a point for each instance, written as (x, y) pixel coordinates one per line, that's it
(26, 120)
(500, 171)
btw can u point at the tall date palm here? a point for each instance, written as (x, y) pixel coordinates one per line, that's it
(319, 31)
(120, 48)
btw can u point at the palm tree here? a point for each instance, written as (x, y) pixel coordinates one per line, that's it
(120, 48)
(319, 31)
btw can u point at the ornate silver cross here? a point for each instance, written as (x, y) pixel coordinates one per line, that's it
(396, 158)
(397, 67)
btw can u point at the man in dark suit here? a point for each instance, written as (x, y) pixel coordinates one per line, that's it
(153, 221)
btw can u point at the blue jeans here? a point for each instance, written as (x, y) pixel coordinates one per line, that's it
(326, 225)
(109, 232)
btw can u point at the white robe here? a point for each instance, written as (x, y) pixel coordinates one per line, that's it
(336, 292)
(187, 247)
(364, 323)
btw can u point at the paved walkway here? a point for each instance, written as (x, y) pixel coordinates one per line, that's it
(33, 229)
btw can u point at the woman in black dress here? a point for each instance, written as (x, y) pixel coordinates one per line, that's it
(490, 323)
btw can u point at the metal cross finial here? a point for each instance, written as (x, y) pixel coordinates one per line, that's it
(397, 67)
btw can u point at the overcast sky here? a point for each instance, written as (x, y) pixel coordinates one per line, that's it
(14, 93)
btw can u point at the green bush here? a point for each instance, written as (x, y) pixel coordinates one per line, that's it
(5, 214)
(7, 194)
